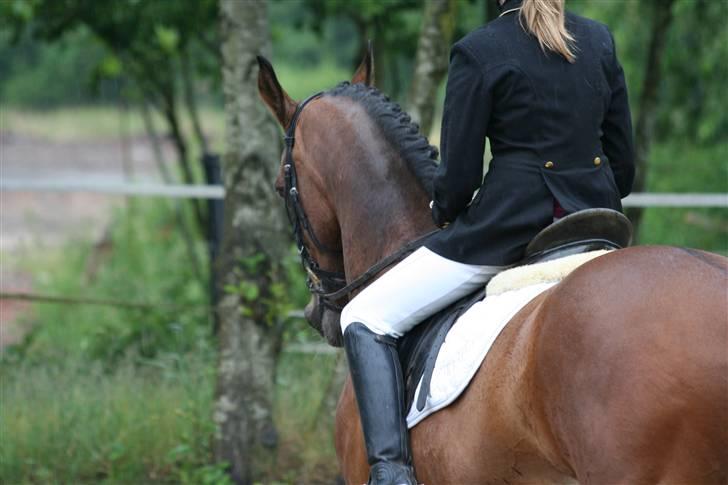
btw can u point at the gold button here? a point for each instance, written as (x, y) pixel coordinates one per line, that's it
(597, 161)
(549, 164)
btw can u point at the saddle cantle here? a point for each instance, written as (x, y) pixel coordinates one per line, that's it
(578, 233)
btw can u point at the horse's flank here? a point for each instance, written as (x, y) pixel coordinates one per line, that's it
(615, 375)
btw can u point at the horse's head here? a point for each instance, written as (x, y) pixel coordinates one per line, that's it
(322, 240)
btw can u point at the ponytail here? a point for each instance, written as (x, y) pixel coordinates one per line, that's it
(545, 20)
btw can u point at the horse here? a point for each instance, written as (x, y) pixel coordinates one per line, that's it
(618, 374)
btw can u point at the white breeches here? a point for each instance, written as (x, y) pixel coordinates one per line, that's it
(418, 286)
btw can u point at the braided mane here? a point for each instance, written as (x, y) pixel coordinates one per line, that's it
(398, 130)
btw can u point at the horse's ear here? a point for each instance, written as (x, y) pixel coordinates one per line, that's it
(279, 103)
(365, 72)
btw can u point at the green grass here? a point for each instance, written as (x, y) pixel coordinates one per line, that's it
(98, 394)
(79, 423)
(150, 422)
(304, 414)
(143, 260)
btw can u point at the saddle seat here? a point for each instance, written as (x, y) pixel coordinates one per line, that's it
(562, 246)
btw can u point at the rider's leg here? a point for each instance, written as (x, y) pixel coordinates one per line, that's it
(417, 287)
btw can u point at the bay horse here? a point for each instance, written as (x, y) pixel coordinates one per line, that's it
(619, 374)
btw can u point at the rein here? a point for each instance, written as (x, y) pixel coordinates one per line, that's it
(329, 286)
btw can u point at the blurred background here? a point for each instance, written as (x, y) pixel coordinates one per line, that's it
(149, 339)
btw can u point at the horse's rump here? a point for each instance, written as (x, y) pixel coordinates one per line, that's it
(631, 368)
(617, 374)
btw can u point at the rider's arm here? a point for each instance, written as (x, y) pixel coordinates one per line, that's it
(462, 139)
(617, 129)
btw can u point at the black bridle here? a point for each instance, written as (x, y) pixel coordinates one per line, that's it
(329, 286)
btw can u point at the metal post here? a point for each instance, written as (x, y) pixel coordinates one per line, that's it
(215, 214)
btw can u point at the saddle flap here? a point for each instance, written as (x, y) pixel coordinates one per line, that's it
(586, 225)
(419, 348)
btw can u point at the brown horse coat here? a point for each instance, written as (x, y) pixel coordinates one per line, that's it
(619, 374)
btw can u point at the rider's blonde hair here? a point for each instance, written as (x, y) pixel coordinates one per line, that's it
(545, 20)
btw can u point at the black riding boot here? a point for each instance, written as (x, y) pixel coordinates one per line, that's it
(379, 387)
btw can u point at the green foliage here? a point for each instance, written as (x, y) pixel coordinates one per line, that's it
(392, 25)
(693, 82)
(695, 60)
(79, 423)
(102, 394)
(150, 422)
(144, 260)
(32, 74)
(678, 167)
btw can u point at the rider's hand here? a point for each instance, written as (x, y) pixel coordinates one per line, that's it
(436, 217)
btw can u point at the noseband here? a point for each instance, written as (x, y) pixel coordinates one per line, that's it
(329, 286)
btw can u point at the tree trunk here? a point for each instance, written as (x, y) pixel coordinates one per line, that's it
(254, 241)
(438, 24)
(645, 126)
(188, 86)
(169, 110)
(187, 234)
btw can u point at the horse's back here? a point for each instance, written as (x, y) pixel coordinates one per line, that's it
(630, 367)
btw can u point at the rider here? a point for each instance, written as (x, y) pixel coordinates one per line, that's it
(547, 90)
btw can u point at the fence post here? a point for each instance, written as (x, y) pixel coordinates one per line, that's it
(215, 214)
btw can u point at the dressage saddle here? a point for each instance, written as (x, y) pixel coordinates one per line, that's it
(580, 232)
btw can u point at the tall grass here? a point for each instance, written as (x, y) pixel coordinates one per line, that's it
(99, 394)
(150, 422)
(144, 260)
(80, 423)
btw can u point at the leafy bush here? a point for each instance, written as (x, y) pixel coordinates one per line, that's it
(45, 75)
(119, 395)
(144, 260)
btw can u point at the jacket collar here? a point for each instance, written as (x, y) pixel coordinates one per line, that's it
(509, 4)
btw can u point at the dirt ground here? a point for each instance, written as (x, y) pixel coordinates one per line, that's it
(36, 221)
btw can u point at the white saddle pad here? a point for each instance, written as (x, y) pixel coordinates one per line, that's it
(467, 344)
(472, 335)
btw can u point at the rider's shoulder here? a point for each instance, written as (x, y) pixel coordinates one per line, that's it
(591, 27)
(483, 44)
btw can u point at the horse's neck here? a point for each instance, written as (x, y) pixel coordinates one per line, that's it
(383, 211)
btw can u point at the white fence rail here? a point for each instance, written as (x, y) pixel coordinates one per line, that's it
(218, 192)
(115, 188)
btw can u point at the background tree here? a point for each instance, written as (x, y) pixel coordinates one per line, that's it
(255, 242)
(392, 26)
(151, 43)
(431, 60)
(661, 18)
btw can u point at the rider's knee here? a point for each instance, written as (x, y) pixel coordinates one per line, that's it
(353, 313)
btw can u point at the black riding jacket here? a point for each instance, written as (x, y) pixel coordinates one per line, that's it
(557, 131)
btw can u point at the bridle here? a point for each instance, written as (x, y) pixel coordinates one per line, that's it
(320, 281)
(329, 286)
